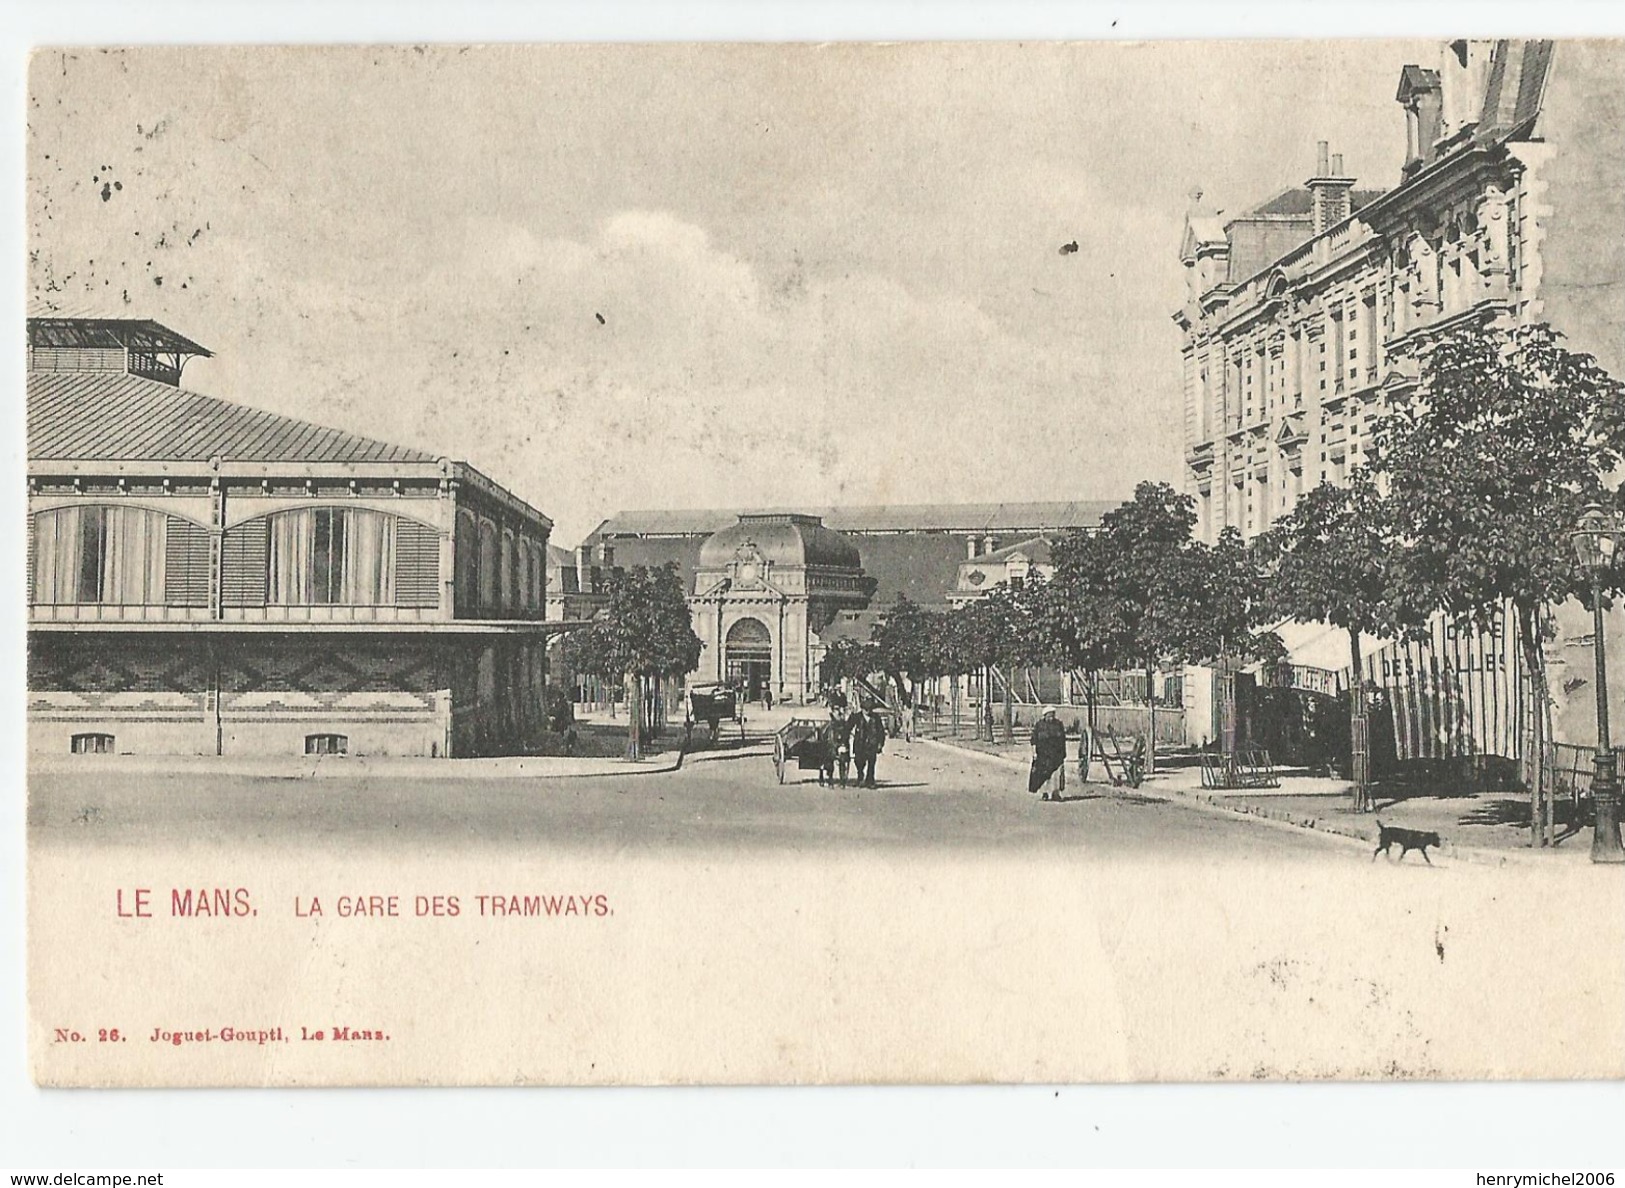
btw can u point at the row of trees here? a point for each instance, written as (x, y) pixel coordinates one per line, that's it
(1141, 594)
(1477, 477)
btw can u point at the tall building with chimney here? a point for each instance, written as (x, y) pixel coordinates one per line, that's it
(1302, 315)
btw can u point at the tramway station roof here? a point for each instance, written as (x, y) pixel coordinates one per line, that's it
(964, 518)
(787, 539)
(115, 416)
(109, 333)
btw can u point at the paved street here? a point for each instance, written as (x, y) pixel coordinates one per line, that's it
(1113, 936)
(930, 797)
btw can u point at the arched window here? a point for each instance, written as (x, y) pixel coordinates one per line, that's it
(468, 560)
(522, 569)
(102, 554)
(332, 555)
(507, 573)
(489, 560)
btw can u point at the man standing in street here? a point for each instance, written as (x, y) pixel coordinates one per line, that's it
(868, 739)
(1048, 774)
(837, 756)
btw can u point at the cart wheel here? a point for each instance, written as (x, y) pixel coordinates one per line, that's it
(778, 757)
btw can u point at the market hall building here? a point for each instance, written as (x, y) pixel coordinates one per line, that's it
(210, 578)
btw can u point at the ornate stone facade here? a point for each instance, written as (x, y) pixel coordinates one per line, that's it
(764, 589)
(1508, 208)
(1289, 355)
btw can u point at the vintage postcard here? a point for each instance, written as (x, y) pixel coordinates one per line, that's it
(734, 564)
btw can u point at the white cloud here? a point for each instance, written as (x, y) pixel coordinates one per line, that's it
(816, 282)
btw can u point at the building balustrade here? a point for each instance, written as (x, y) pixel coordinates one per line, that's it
(109, 612)
(113, 612)
(342, 614)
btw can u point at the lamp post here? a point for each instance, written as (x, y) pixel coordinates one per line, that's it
(1596, 538)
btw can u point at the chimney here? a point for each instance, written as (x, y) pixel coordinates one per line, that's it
(1464, 67)
(1329, 189)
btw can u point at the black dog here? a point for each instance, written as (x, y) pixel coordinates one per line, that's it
(1408, 839)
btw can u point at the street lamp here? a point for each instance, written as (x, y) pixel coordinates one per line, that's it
(1595, 539)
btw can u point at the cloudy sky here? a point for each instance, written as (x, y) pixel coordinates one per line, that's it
(825, 274)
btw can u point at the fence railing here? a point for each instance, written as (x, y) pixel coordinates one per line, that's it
(1038, 685)
(1125, 721)
(1570, 766)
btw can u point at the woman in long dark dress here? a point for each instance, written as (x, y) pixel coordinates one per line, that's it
(1049, 753)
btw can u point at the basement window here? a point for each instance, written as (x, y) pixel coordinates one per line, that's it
(327, 744)
(91, 744)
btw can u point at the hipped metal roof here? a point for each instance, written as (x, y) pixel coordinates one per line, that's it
(905, 517)
(114, 416)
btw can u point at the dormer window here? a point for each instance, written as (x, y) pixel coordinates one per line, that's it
(1463, 74)
(1419, 94)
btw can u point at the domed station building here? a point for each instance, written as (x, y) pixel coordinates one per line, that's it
(764, 588)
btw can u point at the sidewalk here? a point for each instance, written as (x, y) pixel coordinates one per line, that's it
(1490, 827)
(1483, 827)
(351, 767)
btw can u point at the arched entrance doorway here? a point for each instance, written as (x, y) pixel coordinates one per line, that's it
(748, 657)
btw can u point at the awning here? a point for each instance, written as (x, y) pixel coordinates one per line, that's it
(1322, 647)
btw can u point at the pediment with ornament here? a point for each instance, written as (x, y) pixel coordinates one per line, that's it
(749, 569)
(1292, 432)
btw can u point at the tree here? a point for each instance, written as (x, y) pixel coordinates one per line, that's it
(587, 651)
(942, 659)
(1223, 604)
(903, 640)
(1211, 605)
(1000, 631)
(1333, 559)
(952, 652)
(848, 660)
(1489, 463)
(1079, 615)
(1148, 543)
(645, 633)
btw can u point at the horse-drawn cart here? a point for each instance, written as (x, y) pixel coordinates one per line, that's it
(713, 705)
(806, 742)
